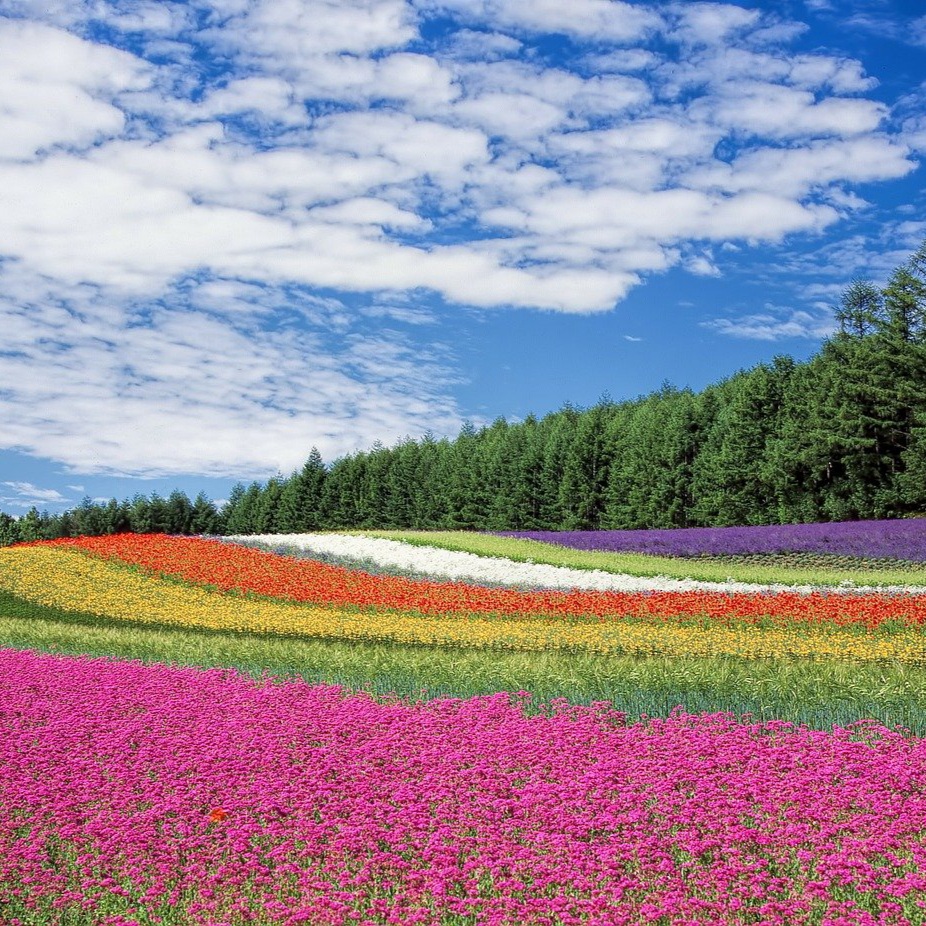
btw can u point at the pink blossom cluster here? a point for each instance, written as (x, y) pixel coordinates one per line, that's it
(143, 794)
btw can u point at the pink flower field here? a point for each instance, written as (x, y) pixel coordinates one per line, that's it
(135, 794)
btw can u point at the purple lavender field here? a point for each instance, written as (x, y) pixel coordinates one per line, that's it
(897, 539)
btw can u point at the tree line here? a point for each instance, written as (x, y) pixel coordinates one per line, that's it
(841, 436)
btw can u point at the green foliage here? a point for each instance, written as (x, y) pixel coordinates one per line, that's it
(9, 530)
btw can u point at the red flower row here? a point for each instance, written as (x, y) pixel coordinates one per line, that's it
(236, 568)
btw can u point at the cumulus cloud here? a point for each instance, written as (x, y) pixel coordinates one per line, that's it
(58, 90)
(25, 495)
(775, 325)
(196, 385)
(710, 23)
(917, 31)
(219, 220)
(609, 20)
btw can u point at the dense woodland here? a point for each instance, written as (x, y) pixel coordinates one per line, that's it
(841, 436)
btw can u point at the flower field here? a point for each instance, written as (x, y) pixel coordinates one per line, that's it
(899, 539)
(349, 729)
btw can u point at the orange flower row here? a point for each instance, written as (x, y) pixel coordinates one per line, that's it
(229, 567)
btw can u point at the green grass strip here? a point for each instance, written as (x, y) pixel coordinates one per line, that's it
(818, 693)
(643, 564)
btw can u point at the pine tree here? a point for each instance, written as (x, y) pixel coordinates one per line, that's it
(140, 515)
(240, 513)
(9, 532)
(88, 519)
(583, 490)
(178, 513)
(205, 517)
(267, 506)
(229, 516)
(730, 477)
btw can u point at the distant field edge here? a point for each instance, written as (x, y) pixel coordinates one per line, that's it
(644, 564)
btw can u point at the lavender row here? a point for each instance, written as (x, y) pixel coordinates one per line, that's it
(898, 539)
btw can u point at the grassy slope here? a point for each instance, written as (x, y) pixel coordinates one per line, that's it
(641, 564)
(814, 692)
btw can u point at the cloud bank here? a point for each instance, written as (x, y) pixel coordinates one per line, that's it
(219, 218)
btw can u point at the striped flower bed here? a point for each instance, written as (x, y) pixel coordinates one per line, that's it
(231, 568)
(471, 568)
(66, 576)
(135, 795)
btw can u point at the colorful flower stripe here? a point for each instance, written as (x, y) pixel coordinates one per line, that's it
(64, 577)
(208, 798)
(460, 566)
(835, 574)
(230, 567)
(890, 539)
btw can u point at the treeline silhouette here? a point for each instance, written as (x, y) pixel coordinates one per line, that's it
(841, 436)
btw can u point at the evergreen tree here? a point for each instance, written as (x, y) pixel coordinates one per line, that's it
(466, 490)
(803, 462)
(116, 517)
(29, 527)
(430, 499)
(730, 475)
(88, 519)
(861, 309)
(158, 514)
(205, 518)
(559, 435)
(140, 515)
(9, 532)
(230, 515)
(341, 493)
(241, 511)
(650, 480)
(64, 526)
(178, 514)
(401, 486)
(267, 506)
(583, 490)
(300, 509)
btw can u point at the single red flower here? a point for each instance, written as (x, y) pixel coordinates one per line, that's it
(217, 814)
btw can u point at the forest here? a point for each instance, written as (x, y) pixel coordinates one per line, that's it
(839, 437)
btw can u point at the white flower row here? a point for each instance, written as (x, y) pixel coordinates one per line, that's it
(460, 566)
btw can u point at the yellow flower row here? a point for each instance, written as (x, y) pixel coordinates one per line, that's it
(67, 579)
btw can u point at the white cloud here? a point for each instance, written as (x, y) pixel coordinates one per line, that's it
(601, 20)
(272, 97)
(482, 46)
(107, 388)
(793, 172)
(917, 31)
(286, 32)
(183, 244)
(25, 495)
(710, 23)
(56, 89)
(621, 61)
(775, 111)
(777, 325)
(702, 265)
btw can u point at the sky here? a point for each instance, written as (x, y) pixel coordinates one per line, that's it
(234, 230)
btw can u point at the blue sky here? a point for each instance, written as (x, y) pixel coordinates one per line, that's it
(232, 230)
